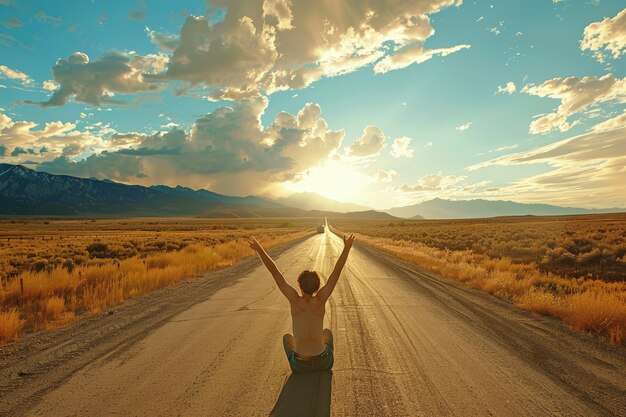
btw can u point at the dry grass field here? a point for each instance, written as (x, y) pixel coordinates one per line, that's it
(571, 267)
(53, 270)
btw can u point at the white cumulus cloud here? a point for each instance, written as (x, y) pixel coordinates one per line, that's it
(509, 88)
(263, 46)
(96, 82)
(607, 37)
(227, 150)
(401, 147)
(371, 142)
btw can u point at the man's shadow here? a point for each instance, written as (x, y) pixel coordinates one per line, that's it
(305, 395)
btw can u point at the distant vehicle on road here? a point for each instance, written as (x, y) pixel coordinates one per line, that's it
(320, 228)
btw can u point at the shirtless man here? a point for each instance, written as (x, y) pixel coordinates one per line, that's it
(310, 348)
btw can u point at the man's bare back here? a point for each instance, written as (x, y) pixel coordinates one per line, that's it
(307, 318)
(310, 341)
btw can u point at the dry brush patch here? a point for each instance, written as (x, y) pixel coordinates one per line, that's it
(38, 293)
(585, 303)
(593, 246)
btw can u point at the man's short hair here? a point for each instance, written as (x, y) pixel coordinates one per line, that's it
(309, 282)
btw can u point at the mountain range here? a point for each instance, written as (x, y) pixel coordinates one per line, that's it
(211, 197)
(24, 191)
(447, 209)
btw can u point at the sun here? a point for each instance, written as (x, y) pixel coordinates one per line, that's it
(334, 179)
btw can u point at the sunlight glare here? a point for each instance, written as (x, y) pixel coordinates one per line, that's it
(335, 179)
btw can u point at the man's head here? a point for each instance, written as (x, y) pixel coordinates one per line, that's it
(309, 282)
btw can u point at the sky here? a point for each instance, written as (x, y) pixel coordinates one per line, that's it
(382, 103)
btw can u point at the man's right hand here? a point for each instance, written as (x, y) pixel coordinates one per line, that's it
(347, 241)
(254, 244)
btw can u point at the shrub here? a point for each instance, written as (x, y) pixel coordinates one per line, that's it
(98, 250)
(40, 265)
(10, 325)
(54, 306)
(600, 312)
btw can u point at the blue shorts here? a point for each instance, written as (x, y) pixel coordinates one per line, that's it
(322, 362)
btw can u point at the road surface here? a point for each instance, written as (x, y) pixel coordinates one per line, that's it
(407, 343)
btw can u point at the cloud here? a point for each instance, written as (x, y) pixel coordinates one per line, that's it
(137, 15)
(590, 146)
(13, 74)
(509, 88)
(464, 127)
(12, 23)
(439, 185)
(44, 144)
(227, 150)
(412, 54)
(20, 151)
(371, 142)
(385, 176)
(576, 94)
(612, 123)
(43, 17)
(586, 170)
(428, 144)
(163, 41)
(97, 82)
(401, 147)
(50, 85)
(505, 148)
(260, 49)
(433, 182)
(9, 41)
(607, 37)
(139, 12)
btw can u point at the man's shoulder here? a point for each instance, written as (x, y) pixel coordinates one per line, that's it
(304, 302)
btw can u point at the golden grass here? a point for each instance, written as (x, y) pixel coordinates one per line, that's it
(590, 305)
(10, 325)
(598, 311)
(592, 246)
(54, 296)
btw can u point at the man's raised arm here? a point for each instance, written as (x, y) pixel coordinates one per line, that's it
(287, 290)
(325, 292)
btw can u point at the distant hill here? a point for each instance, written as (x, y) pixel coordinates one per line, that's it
(448, 209)
(211, 197)
(313, 201)
(248, 211)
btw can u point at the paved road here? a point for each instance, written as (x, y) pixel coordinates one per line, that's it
(407, 343)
